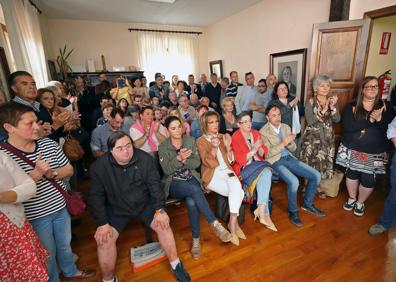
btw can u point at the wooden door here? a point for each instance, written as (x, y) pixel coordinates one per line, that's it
(339, 49)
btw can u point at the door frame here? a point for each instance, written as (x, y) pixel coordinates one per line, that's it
(371, 16)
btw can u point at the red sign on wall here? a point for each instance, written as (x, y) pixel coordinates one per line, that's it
(385, 42)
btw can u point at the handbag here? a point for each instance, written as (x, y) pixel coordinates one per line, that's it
(223, 210)
(332, 186)
(81, 135)
(72, 149)
(74, 200)
(296, 125)
(182, 174)
(250, 172)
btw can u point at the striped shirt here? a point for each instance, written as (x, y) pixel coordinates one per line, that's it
(232, 90)
(48, 199)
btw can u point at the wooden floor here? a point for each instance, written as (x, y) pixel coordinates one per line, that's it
(334, 248)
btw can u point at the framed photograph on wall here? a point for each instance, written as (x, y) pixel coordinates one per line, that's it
(290, 67)
(216, 67)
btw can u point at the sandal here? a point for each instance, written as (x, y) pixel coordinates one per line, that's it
(85, 273)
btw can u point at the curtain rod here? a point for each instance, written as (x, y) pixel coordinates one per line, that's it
(161, 30)
(35, 6)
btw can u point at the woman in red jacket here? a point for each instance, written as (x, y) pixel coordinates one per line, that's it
(248, 148)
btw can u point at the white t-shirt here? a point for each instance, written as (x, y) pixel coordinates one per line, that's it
(136, 134)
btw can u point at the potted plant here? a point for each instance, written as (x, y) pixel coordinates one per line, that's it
(63, 65)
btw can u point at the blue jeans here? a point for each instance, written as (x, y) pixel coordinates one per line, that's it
(54, 232)
(288, 169)
(196, 202)
(258, 124)
(389, 214)
(263, 188)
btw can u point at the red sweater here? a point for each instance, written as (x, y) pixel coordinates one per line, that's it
(241, 149)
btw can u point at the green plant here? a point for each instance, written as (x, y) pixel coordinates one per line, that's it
(63, 65)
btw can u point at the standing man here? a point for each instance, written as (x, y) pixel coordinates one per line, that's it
(125, 184)
(389, 213)
(213, 92)
(245, 94)
(192, 87)
(203, 83)
(232, 89)
(24, 89)
(258, 105)
(103, 84)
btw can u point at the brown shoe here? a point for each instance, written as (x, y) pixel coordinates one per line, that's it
(221, 232)
(196, 248)
(85, 273)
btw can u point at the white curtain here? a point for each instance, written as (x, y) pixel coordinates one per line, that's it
(30, 40)
(167, 53)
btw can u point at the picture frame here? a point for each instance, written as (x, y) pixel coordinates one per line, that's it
(4, 73)
(217, 68)
(52, 70)
(290, 66)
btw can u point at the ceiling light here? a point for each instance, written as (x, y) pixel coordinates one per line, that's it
(163, 1)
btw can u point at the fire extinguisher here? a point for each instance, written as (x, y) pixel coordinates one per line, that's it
(385, 80)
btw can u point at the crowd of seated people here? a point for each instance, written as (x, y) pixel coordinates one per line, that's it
(178, 140)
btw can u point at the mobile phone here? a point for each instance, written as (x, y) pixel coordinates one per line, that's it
(186, 115)
(121, 83)
(231, 174)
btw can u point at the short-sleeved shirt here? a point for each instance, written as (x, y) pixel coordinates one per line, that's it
(100, 136)
(48, 199)
(261, 99)
(123, 93)
(136, 134)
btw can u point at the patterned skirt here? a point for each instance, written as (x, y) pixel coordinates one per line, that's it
(22, 257)
(362, 162)
(317, 151)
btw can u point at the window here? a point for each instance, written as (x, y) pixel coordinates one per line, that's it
(168, 54)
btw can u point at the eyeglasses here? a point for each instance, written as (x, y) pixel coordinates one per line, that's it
(262, 85)
(245, 121)
(127, 147)
(371, 87)
(213, 121)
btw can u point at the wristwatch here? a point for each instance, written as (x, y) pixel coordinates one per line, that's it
(54, 173)
(160, 211)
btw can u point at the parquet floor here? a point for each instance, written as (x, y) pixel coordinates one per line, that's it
(334, 248)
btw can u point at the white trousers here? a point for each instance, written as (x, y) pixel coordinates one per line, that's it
(227, 186)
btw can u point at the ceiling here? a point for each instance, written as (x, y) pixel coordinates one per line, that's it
(182, 12)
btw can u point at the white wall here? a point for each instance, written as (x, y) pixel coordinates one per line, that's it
(359, 7)
(91, 39)
(245, 40)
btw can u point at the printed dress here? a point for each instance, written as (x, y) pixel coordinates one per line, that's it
(22, 257)
(317, 144)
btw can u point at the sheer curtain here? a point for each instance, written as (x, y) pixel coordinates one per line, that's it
(167, 53)
(30, 40)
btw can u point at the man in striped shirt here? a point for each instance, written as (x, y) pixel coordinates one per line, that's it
(47, 210)
(232, 89)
